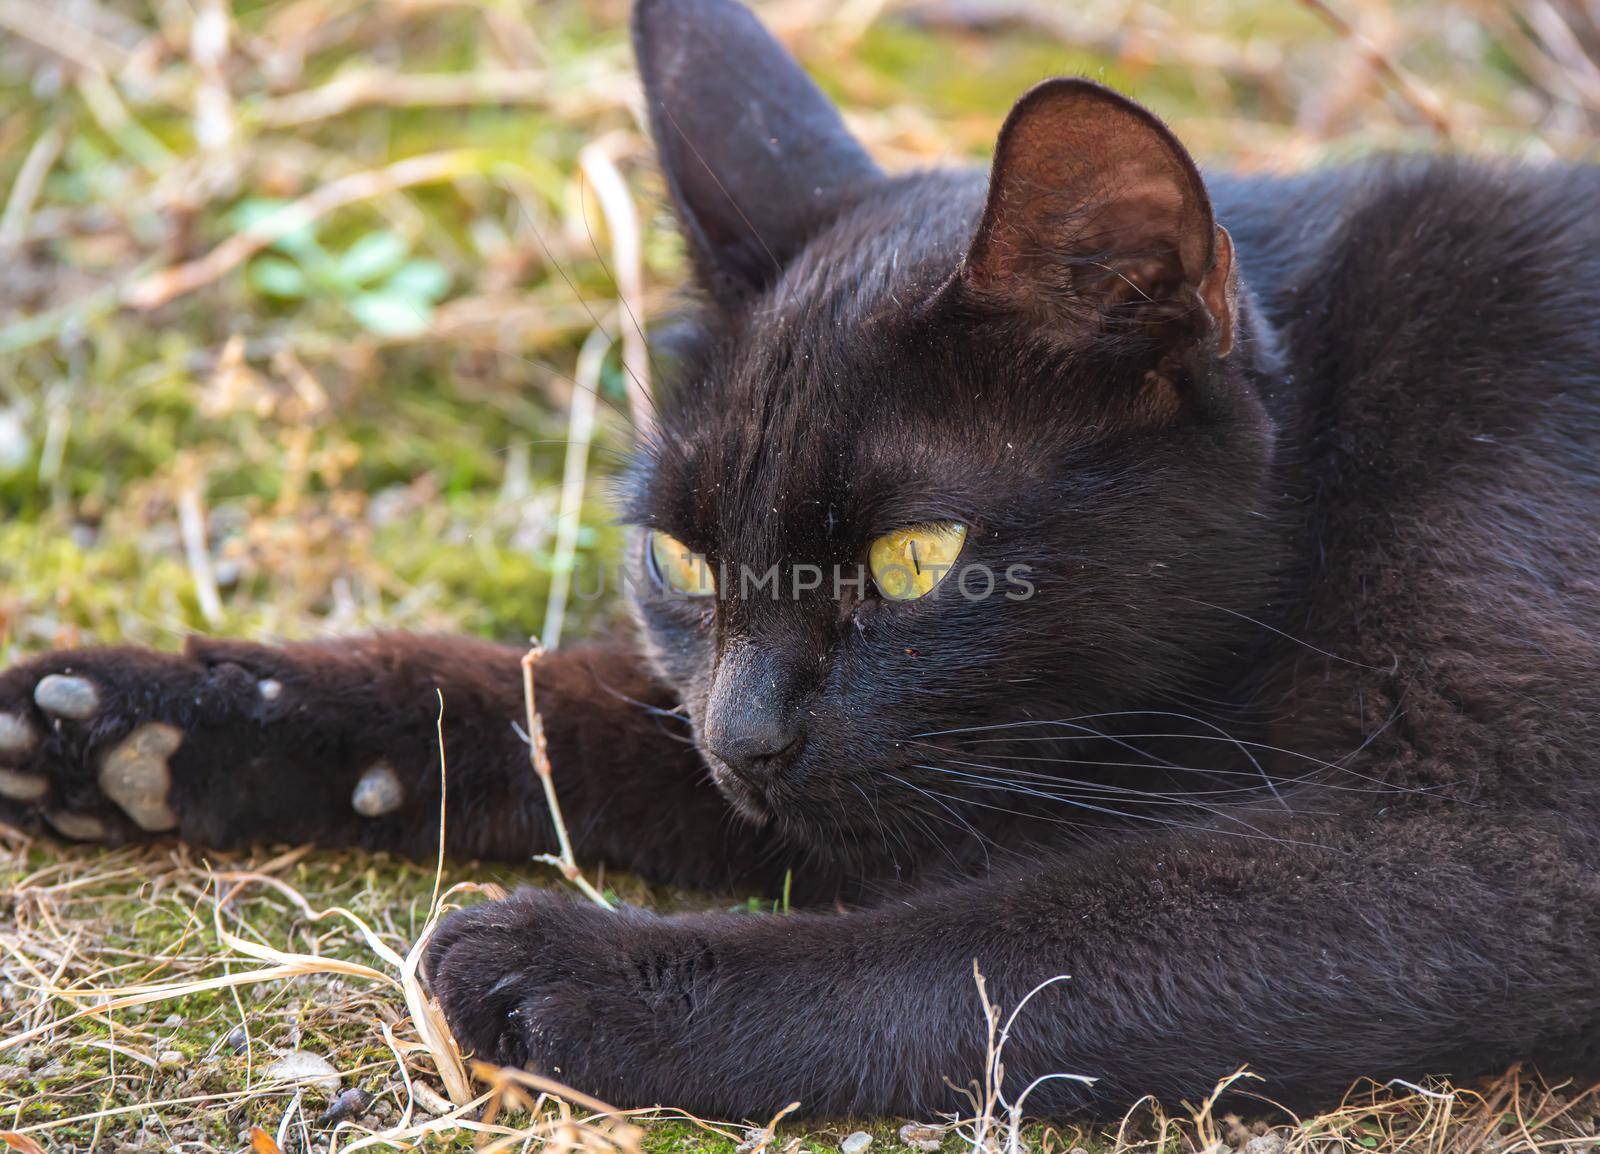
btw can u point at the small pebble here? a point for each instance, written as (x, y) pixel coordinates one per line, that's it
(270, 689)
(1265, 1144)
(172, 1021)
(856, 1142)
(71, 697)
(171, 1059)
(351, 1104)
(920, 1137)
(304, 1067)
(237, 1040)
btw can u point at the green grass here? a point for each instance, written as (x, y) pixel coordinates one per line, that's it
(394, 462)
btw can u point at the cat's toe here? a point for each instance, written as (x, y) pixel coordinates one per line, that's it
(473, 972)
(508, 977)
(17, 737)
(23, 787)
(66, 696)
(76, 826)
(17, 741)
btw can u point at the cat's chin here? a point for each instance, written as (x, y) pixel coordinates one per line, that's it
(746, 801)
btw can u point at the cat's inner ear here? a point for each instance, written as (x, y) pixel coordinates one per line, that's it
(1097, 217)
(755, 156)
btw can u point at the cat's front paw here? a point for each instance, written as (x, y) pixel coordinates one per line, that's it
(564, 988)
(123, 744)
(80, 748)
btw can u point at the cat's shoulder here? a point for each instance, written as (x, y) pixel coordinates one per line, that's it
(1391, 221)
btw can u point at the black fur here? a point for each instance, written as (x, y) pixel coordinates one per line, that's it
(1288, 761)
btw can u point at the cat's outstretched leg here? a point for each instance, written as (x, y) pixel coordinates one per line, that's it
(1429, 943)
(337, 743)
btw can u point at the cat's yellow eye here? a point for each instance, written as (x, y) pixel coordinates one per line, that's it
(679, 568)
(908, 563)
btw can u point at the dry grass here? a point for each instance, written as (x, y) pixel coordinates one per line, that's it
(319, 315)
(148, 992)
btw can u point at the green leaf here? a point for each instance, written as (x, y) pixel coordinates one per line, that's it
(423, 280)
(275, 277)
(262, 214)
(371, 257)
(390, 314)
(249, 214)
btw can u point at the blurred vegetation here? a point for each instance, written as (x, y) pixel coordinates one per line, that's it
(292, 298)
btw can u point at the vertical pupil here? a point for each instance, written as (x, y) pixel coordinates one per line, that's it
(916, 562)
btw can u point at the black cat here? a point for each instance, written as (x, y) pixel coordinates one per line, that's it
(1276, 730)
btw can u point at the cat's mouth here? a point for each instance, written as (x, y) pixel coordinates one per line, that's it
(751, 802)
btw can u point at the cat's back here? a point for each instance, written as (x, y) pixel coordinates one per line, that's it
(1459, 284)
(1440, 322)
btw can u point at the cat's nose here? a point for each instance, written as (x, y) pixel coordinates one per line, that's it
(750, 725)
(756, 749)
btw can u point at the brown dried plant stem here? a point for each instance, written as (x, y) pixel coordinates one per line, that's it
(1405, 85)
(539, 753)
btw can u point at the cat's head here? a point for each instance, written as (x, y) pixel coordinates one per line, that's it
(1046, 375)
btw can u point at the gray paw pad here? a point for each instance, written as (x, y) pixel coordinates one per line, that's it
(378, 792)
(135, 775)
(75, 698)
(23, 786)
(77, 826)
(16, 735)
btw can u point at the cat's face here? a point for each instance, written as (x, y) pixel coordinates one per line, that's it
(1031, 390)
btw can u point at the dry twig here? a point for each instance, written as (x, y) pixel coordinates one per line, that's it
(538, 751)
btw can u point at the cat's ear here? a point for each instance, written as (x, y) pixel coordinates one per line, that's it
(1098, 219)
(754, 154)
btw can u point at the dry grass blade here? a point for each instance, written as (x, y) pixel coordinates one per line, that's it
(627, 271)
(538, 751)
(575, 471)
(192, 528)
(603, 1130)
(25, 189)
(997, 1123)
(425, 1011)
(374, 87)
(56, 32)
